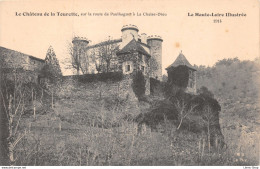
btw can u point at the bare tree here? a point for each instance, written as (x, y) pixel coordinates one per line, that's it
(208, 119)
(76, 53)
(79, 57)
(106, 51)
(13, 103)
(183, 110)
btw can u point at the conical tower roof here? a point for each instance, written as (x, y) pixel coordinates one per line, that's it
(181, 60)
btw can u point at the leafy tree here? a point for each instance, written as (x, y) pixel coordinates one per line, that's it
(205, 92)
(227, 62)
(51, 69)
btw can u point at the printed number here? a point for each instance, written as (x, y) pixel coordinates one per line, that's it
(217, 20)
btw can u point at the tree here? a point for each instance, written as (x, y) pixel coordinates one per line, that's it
(106, 52)
(205, 92)
(78, 56)
(51, 69)
(183, 110)
(209, 119)
(12, 101)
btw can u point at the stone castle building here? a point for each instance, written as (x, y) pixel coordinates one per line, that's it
(130, 53)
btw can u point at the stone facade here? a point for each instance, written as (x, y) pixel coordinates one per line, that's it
(96, 89)
(132, 52)
(155, 42)
(16, 62)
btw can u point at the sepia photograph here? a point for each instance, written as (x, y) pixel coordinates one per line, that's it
(129, 83)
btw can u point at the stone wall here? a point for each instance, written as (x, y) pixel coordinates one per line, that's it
(23, 66)
(15, 59)
(98, 89)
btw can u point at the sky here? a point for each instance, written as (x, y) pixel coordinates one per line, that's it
(202, 41)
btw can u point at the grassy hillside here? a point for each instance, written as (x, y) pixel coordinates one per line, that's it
(72, 125)
(235, 84)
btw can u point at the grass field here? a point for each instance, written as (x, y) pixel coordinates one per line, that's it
(94, 132)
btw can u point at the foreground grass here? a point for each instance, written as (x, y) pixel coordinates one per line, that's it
(96, 132)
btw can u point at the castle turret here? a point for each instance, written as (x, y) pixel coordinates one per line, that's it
(80, 41)
(181, 61)
(155, 43)
(129, 32)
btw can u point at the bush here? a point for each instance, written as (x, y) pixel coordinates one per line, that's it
(155, 87)
(104, 77)
(138, 84)
(205, 92)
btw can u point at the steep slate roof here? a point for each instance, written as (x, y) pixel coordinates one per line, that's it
(133, 45)
(181, 60)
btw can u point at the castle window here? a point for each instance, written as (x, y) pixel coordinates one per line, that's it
(191, 74)
(190, 83)
(128, 68)
(142, 68)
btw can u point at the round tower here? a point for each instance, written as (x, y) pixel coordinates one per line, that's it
(79, 49)
(128, 33)
(155, 43)
(79, 45)
(80, 41)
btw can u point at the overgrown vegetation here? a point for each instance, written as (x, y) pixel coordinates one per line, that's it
(235, 84)
(103, 77)
(81, 130)
(178, 76)
(138, 84)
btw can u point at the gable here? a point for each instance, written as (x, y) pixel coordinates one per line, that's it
(133, 45)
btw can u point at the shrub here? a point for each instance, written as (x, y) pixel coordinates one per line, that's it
(104, 77)
(138, 84)
(205, 92)
(155, 87)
